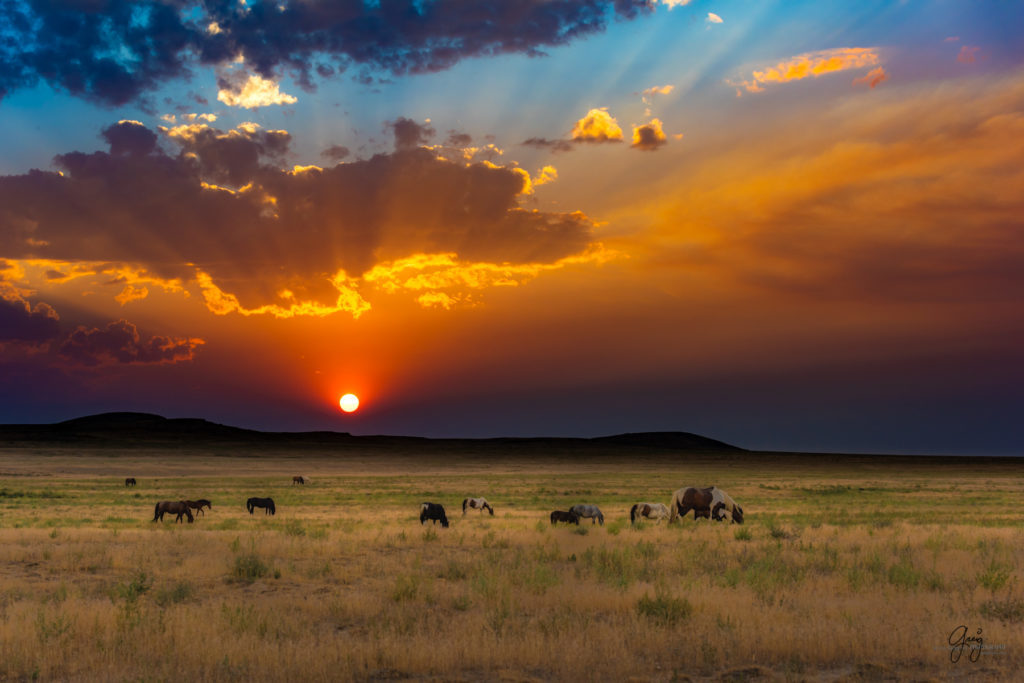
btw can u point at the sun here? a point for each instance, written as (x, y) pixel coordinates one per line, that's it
(349, 403)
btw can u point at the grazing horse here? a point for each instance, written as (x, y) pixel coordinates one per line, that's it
(476, 504)
(266, 503)
(130, 481)
(175, 507)
(722, 504)
(568, 517)
(198, 505)
(656, 511)
(434, 512)
(591, 511)
(690, 498)
(298, 479)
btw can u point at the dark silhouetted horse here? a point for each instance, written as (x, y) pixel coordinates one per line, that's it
(130, 481)
(434, 512)
(591, 511)
(266, 503)
(567, 516)
(476, 504)
(198, 505)
(298, 479)
(178, 508)
(657, 511)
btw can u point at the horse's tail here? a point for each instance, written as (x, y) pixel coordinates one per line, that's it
(465, 503)
(673, 511)
(156, 512)
(632, 513)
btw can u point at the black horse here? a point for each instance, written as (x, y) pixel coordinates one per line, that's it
(198, 505)
(434, 512)
(567, 516)
(130, 481)
(178, 508)
(266, 503)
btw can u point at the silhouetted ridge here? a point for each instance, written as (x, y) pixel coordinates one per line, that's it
(676, 440)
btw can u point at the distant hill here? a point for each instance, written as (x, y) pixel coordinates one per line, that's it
(128, 430)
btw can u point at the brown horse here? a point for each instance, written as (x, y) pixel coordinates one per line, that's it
(175, 507)
(567, 516)
(298, 479)
(198, 505)
(690, 498)
(655, 511)
(130, 481)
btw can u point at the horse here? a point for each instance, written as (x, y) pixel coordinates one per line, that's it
(722, 503)
(298, 479)
(434, 512)
(690, 498)
(591, 511)
(569, 517)
(476, 504)
(266, 503)
(176, 507)
(198, 505)
(657, 511)
(130, 481)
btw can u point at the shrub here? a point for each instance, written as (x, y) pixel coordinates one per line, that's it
(994, 576)
(172, 595)
(663, 608)
(1010, 610)
(248, 567)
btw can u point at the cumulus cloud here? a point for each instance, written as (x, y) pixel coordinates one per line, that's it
(713, 18)
(120, 343)
(24, 322)
(270, 240)
(649, 136)
(811, 64)
(409, 134)
(115, 54)
(251, 92)
(597, 126)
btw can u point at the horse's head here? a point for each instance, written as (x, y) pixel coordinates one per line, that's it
(737, 514)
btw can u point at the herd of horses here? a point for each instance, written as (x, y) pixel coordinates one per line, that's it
(705, 503)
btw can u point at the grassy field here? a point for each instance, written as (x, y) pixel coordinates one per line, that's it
(847, 569)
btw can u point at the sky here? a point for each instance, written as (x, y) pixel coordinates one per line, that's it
(784, 225)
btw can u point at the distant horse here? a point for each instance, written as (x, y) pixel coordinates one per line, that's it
(198, 505)
(690, 498)
(130, 481)
(476, 504)
(591, 511)
(434, 512)
(567, 516)
(298, 479)
(723, 504)
(656, 511)
(266, 503)
(178, 508)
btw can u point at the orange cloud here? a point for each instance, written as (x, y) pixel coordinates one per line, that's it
(131, 293)
(810, 64)
(597, 126)
(872, 78)
(252, 92)
(968, 54)
(649, 136)
(348, 300)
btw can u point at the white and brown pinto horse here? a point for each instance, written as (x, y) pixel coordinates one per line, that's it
(655, 511)
(709, 503)
(476, 504)
(723, 505)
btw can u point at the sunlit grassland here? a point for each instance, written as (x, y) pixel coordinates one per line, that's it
(852, 569)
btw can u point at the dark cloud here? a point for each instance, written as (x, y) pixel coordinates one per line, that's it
(457, 139)
(129, 137)
(553, 145)
(112, 52)
(649, 136)
(120, 343)
(409, 134)
(335, 153)
(284, 229)
(20, 321)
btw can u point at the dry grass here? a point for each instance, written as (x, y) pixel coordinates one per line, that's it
(837, 575)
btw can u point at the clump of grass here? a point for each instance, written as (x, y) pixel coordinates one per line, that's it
(429, 535)
(177, 593)
(135, 588)
(995, 575)
(581, 530)
(247, 567)
(743, 534)
(405, 588)
(1010, 610)
(294, 527)
(664, 608)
